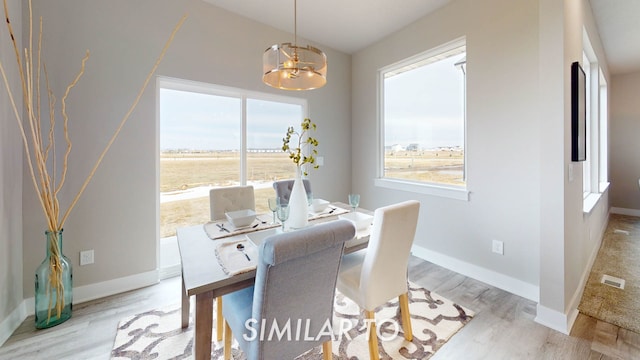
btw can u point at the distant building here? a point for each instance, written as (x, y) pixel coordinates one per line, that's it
(413, 147)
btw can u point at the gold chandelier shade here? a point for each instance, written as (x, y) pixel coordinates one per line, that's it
(290, 67)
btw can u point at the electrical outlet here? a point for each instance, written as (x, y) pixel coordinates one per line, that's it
(86, 257)
(497, 247)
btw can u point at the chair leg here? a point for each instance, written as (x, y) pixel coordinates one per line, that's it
(219, 319)
(406, 317)
(327, 352)
(227, 341)
(373, 335)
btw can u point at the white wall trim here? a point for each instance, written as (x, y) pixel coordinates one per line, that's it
(451, 192)
(564, 322)
(12, 322)
(556, 320)
(623, 211)
(115, 286)
(80, 294)
(502, 281)
(170, 271)
(106, 288)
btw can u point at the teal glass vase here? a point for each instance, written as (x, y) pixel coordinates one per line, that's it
(54, 285)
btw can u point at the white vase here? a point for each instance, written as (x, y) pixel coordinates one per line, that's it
(298, 207)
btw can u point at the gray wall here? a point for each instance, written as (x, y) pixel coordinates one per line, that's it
(625, 147)
(117, 215)
(518, 136)
(10, 181)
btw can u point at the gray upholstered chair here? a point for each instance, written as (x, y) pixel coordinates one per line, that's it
(222, 200)
(295, 279)
(378, 274)
(230, 198)
(283, 189)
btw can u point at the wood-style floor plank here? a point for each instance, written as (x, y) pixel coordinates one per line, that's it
(503, 328)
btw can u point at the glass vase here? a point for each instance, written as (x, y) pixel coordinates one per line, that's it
(54, 285)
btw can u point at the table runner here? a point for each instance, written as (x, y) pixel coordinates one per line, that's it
(221, 228)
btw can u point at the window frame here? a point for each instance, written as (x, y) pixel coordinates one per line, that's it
(595, 168)
(458, 192)
(164, 82)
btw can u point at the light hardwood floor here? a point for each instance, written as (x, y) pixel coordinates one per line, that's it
(503, 327)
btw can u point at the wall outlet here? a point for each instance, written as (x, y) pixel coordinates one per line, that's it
(86, 257)
(497, 247)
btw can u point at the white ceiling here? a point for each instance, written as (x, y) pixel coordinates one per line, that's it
(352, 25)
(618, 23)
(347, 26)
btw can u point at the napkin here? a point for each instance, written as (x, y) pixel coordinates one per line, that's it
(234, 261)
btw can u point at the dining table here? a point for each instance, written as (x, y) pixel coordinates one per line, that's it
(205, 278)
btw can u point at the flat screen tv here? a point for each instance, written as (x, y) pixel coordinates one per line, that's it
(578, 113)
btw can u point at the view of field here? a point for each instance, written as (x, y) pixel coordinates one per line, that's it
(186, 177)
(185, 180)
(436, 166)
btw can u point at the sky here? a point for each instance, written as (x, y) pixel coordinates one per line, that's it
(423, 105)
(426, 105)
(198, 121)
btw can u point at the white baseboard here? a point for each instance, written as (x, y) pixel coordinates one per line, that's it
(623, 211)
(504, 282)
(80, 294)
(12, 322)
(556, 320)
(170, 271)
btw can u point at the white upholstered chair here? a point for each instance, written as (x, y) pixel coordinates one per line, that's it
(230, 198)
(378, 274)
(283, 189)
(222, 200)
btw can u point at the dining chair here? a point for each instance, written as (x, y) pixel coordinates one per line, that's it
(295, 286)
(230, 198)
(375, 275)
(222, 200)
(283, 189)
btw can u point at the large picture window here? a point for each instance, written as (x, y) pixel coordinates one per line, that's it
(212, 136)
(423, 118)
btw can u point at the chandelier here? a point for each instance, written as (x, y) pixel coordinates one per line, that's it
(291, 67)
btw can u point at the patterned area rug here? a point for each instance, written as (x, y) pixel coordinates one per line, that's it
(619, 256)
(157, 334)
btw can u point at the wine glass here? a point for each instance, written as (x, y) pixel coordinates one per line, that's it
(283, 214)
(354, 201)
(309, 198)
(273, 206)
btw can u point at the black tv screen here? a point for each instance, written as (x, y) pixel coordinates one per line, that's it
(578, 113)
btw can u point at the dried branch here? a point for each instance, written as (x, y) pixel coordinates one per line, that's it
(37, 153)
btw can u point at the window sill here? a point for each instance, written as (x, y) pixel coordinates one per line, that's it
(590, 202)
(450, 192)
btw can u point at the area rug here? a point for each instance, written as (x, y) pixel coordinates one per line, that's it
(157, 334)
(619, 256)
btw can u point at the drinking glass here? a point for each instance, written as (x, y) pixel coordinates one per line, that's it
(273, 206)
(354, 201)
(309, 198)
(283, 214)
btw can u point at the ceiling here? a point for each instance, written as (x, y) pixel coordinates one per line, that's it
(352, 25)
(347, 26)
(619, 27)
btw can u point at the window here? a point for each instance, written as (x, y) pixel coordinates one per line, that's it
(595, 168)
(586, 165)
(215, 136)
(422, 114)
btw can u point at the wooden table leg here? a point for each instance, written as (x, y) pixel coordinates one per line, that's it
(220, 319)
(204, 325)
(185, 306)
